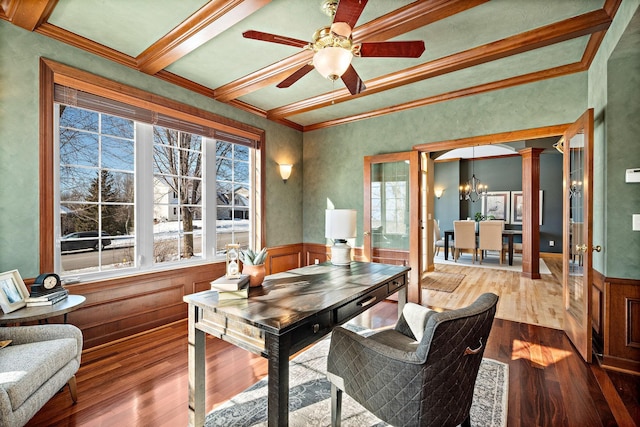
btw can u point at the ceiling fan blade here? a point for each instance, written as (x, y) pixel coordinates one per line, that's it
(352, 81)
(349, 11)
(274, 38)
(402, 49)
(300, 73)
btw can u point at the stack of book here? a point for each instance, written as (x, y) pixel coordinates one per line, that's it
(231, 288)
(47, 299)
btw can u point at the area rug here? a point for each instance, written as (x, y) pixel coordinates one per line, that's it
(310, 397)
(441, 281)
(490, 262)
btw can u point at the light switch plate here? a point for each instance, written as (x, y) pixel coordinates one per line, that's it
(636, 222)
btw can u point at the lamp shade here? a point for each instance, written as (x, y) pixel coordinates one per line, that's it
(340, 223)
(285, 171)
(331, 62)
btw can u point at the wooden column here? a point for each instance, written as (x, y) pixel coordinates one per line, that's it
(531, 212)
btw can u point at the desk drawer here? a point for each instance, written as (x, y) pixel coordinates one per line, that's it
(396, 284)
(363, 303)
(311, 331)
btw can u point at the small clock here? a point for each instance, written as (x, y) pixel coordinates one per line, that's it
(46, 283)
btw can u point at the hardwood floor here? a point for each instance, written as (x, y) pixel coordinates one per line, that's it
(142, 380)
(537, 302)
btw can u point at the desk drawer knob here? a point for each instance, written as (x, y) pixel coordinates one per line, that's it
(316, 328)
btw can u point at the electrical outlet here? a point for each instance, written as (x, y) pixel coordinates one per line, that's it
(552, 243)
(316, 261)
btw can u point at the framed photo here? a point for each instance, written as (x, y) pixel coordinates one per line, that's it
(13, 292)
(496, 204)
(516, 207)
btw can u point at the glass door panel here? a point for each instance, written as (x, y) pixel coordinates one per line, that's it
(391, 218)
(577, 275)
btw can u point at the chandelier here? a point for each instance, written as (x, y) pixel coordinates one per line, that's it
(473, 189)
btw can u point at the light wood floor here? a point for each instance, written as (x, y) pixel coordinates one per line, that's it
(536, 302)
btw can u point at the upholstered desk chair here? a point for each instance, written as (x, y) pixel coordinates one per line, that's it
(438, 240)
(464, 238)
(491, 239)
(421, 373)
(40, 360)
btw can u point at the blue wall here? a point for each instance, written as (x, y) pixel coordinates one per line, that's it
(502, 174)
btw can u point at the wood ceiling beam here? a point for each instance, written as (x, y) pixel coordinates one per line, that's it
(208, 22)
(393, 24)
(27, 14)
(562, 70)
(544, 36)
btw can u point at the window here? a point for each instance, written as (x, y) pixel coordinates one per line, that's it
(136, 190)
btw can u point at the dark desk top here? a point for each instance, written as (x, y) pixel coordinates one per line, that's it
(286, 298)
(27, 314)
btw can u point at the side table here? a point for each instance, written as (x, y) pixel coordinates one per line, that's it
(28, 314)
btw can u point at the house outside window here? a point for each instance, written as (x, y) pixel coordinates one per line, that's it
(136, 196)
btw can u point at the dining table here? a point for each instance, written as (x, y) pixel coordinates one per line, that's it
(508, 234)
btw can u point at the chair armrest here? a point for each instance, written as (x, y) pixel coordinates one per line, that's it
(28, 334)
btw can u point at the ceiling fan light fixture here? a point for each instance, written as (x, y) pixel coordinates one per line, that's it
(332, 62)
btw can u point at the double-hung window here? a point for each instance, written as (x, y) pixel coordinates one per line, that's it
(137, 189)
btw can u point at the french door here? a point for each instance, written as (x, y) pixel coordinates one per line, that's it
(577, 144)
(391, 222)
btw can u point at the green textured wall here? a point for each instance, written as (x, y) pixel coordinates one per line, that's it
(623, 152)
(20, 51)
(333, 157)
(607, 261)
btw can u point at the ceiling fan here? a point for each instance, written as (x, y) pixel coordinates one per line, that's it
(334, 48)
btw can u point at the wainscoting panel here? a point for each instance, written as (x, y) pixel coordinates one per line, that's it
(283, 258)
(117, 308)
(315, 251)
(620, 320)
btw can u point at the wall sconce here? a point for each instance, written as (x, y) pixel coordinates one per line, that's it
(438, 192)
(285, 172)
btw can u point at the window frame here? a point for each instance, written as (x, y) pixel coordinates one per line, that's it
(52, 73)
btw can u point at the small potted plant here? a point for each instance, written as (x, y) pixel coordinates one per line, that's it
(253, 265)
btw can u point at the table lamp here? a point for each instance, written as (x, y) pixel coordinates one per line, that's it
(340, 225)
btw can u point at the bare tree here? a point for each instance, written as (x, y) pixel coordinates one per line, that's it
(178, 159)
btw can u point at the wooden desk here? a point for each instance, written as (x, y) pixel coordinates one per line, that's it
(290, 311)
(28, 314)
(505, 233)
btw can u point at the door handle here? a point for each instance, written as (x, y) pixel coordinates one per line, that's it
(366, 233)
(581, 248)
(597, 248)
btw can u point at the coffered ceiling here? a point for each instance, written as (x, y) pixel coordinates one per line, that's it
(472, 46)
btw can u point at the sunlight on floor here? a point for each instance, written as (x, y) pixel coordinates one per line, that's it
(538, 355)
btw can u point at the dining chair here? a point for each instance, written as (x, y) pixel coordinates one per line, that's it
(491, 238)
(464, 238)
(438, 240)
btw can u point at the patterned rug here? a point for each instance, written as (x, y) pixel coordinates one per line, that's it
(310, 397)
(442, 281)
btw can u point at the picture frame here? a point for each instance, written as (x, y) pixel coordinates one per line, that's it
(516, 207)
(13, 291)
(496, 204)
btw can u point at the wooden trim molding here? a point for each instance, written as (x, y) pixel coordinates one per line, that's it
(494, 138)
